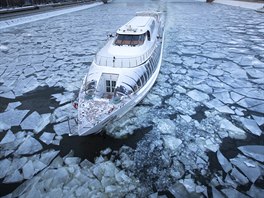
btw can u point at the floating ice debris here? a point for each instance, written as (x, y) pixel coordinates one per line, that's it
(186, 118)
(235, 96)
(28, 170)
(230, 181)
(31, 121)
(239, 177)
(259, 120)
(234, 132)
(44, 121)
(9, 137)
(8, 119)
(231, 192)
(178, 190)
(153, 99)
(13, 105)
(47, 156)
(9, 94)
(249, 168)
(254, 151)
(213, 103)
(61, 128)
(166, 126)
(14, 177)
(189, 185)
(255, 192)
(223, 97)
(225, 109)
(216, 193)
(211, 145)
(64, 98)
(29, 146)
(171, 142)
(251, 125)
(4, 167)
(47, 138)
(226, 165)
(106, 151)
(198, 95)
(72, 161)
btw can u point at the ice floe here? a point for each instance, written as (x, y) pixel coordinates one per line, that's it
(226, 165)
(248, 167)
(29, 146)
(7, 119)
(198, 95)
(254, 151)
(47, 138)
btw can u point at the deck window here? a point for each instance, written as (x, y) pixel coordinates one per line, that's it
(132, 40)
(110, 86)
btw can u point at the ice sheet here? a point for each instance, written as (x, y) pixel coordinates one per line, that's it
(254, 151)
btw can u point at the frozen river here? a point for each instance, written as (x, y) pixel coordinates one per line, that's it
(199, 132)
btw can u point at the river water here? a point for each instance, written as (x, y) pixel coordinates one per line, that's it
(207, 101)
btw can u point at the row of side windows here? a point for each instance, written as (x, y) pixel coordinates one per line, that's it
(150, 67)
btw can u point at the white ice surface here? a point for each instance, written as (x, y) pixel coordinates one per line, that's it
(47, 138)
(248, 167)
(29, 146)
(198, 95)
(254, 151)
(226, 165)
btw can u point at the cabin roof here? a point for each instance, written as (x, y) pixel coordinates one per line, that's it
(137, 25)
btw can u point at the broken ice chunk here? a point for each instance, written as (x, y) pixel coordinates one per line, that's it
(226, 165)
(254, 151)
(29, 146)
(211, 145)
(72, 160)
(9, 137)
(234, 132)
(28, 170)
(13, 105)
(255, 192)
(186, 118)
(171, 142)
(9, 94)
(47, 156)
(61, 128)
(216, 193)
(225, 109)
(15, 177)
(239, 177)
(31, 121)
(47, 138)
(259, 120)
(251, 125)
(250, 169)
(224, 97)
(12, 117)
(166, 126)
(198, 95)
(231, 192)
(44, 121)
(4, 167)
(235, 96)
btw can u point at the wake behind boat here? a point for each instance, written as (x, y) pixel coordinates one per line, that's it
(122, 73)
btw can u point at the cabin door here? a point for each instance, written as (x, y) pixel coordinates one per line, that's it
(108, 84)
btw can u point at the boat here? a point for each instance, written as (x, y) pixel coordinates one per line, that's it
(122, 72)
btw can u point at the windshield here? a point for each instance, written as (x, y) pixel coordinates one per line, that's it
(133, 40)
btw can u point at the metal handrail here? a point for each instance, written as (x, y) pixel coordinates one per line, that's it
(123, 62)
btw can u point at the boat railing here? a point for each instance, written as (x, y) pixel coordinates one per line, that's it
(123, 62)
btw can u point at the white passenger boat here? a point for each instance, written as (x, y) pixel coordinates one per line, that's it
(122, 73)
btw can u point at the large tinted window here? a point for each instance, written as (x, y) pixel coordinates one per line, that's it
(132, 40)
